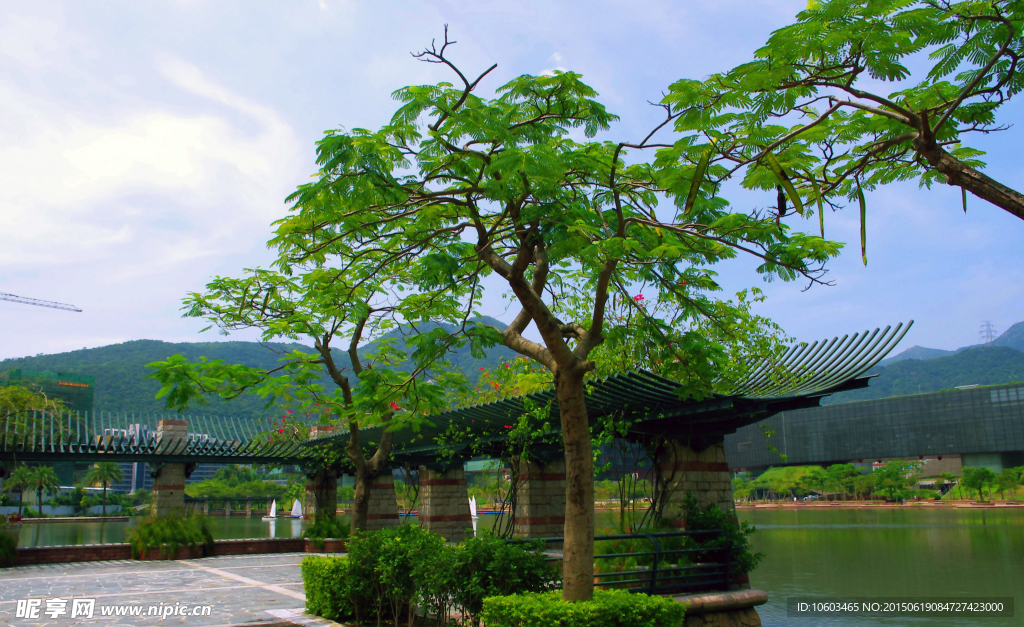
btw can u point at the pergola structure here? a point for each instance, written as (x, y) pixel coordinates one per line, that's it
(690, 456)
(655, 406)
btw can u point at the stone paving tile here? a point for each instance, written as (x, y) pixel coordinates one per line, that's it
(246, 589)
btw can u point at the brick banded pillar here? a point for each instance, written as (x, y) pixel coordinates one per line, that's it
(540, 500)
(169, 479)
(444, 503)
(704, 474)
(383, 509)
(323, 483)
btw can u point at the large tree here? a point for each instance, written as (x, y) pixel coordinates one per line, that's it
(860, 93)
(325, 306)
(104, 475)
(461, 191)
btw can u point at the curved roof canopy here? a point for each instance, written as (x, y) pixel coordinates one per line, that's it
(804, 375)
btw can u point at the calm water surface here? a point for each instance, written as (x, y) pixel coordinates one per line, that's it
(236, 527)
(888, 553)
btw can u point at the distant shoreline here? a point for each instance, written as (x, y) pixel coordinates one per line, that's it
(883, 504)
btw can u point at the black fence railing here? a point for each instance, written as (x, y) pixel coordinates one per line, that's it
(674, 562)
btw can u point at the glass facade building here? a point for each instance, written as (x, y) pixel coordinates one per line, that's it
(983, 420)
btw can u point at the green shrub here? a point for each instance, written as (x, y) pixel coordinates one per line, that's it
(327, 587)
(608, 608)
(487, 566)
(324, 527)
(735, 534)
(169, 533)
(8, 548)
(389, 572)
(388, 569)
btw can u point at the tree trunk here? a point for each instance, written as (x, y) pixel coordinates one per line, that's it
(962, 175)
(39, 493)
(104, 498)
(578, 560)
(361, 498)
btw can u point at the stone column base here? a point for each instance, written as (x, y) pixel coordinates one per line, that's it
(444, 503)
(383, 507)
(723, 609)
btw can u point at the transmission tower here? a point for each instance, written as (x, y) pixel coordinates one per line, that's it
(38, 303)
(987, 332)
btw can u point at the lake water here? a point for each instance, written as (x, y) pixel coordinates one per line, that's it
(82, 532)
(862, 552)
(875, 552)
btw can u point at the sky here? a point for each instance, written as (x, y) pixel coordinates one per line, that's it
(146, 148)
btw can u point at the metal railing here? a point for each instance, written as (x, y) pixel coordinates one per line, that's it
(662, 570)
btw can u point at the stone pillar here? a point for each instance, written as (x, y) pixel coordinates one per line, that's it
(206, 506)
(444, 503)
(227, 507)
(324, 482)
(169, 479)
(704, 474)
(540, 500)
(383, 508)
(248, 508)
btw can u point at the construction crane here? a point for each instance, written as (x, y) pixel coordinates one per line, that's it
(38, 303)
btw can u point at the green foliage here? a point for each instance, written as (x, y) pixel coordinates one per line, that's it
(42, 479)
(104, 474)
(487, 566)
(236, 481)
(324, 527)
(608, 608)
(387, 572)
(857, 94)
(19, 481)
(169, 533)
(389, 567)
(326, 582)
(8, 548)
(896, 476)
(978, 479)
(734, 534)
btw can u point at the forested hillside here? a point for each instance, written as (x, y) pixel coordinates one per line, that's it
(121, 376)
(982, 365)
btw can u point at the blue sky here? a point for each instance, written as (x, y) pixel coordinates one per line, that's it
(145, 147)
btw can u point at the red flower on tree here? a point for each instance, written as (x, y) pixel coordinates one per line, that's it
(281, 430)
(394, 405)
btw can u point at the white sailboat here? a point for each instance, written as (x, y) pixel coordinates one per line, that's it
(297, 509)
(273, 511)
(472, 512)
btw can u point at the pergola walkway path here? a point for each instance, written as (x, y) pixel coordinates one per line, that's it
(250, 590)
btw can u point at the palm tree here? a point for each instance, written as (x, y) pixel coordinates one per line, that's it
(43, 478)
(19, 480)
(104, 474)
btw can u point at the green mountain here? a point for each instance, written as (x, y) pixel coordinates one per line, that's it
(121, 376)
(981, 365)
(1011, 338)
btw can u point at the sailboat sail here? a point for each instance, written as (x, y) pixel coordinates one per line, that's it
(272, 514)
(297, 509)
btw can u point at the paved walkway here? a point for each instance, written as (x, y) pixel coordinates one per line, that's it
(256, 590)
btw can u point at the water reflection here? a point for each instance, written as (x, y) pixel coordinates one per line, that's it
(887, 553)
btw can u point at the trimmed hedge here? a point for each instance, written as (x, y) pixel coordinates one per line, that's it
(326, 583)
(608, 608)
